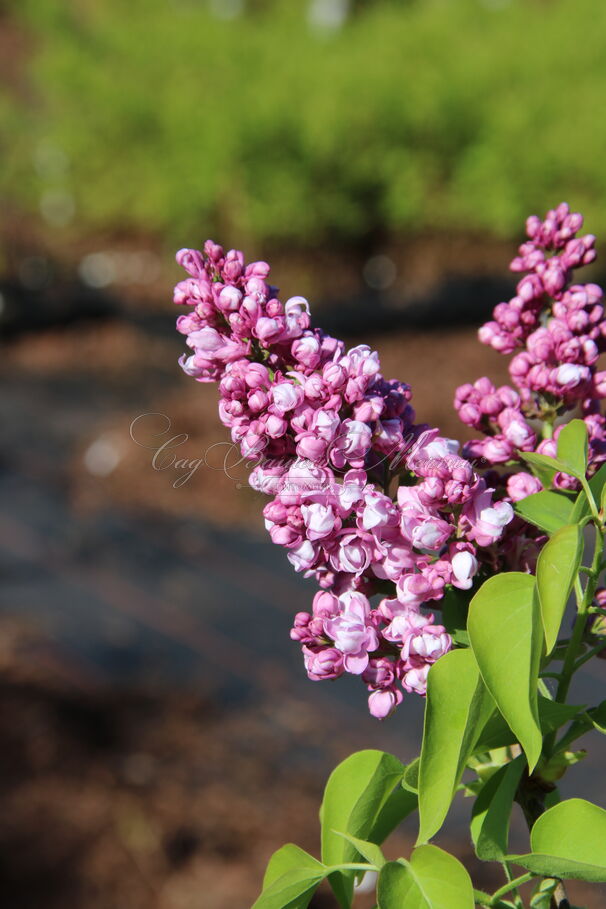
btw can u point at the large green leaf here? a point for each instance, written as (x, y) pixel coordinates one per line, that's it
(458, 705)
(354, 798)
(547, 510)
(291, 879)
(557, 568)
(572, 448)
(569, 840)
(432, 879)
(492, 811)
(506, 637)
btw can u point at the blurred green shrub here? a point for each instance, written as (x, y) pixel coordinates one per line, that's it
(415, 115)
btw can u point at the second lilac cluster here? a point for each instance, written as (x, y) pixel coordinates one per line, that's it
(556, 331)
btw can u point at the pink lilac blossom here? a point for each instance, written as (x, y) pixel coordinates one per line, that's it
(362, 498)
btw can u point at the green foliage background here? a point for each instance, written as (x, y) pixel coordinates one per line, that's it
(426, 115)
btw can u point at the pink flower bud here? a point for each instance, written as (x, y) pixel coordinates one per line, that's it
(354, 552)
(286, 396)
(229, 299)
(323, 663)
(521, 485)
(275, 426)
(192, 261)
(416, 679)
(382, 703)
(306, 351)
(256, 375)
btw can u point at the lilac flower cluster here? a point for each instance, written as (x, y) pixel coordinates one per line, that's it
(556, 331)
(328, 438)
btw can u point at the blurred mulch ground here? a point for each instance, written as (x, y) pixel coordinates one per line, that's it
(140, 800)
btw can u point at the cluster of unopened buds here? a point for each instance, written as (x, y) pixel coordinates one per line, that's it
(385, 513)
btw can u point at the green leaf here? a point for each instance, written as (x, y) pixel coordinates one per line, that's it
(291, 879)
(552, 798)
(289, 858)
(455, 606)
(581, 507)
(552, 715)
(597, 715)
(432, 879)
(571, 455)
(541, 898)
(547, 510)
(506, 637)
(572, 448)
(492, 812)
(370, 851)
(457, 708)
(410, 780)
(496, 733)
(569, 840)
(557, 569)
(398, 806)
(554, 769)
(354, 798)
(543, 467)
(293, 890)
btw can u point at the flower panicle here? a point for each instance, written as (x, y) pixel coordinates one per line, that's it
(382, 512)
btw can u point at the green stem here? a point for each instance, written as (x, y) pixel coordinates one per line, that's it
(578, 587)
(485, 899)
(584, 599)
(572, 651)
(571, 657)
(592, 502)
(510, 879)
(513, 885)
